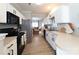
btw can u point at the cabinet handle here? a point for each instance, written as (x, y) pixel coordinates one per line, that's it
(10, 46)
(8, 53)
(12, 52)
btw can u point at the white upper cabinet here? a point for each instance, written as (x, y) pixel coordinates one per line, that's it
(61, 14)
(2, 13)
(13, 10)
(8, 7)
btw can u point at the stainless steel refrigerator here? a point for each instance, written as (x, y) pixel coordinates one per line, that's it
(27, 26)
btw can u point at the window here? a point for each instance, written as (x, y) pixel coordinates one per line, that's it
(34, 23)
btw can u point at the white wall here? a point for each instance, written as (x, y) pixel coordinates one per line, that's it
(58, 14)
(69, 13)
(62, 14)
(74, 13)
(65, 14)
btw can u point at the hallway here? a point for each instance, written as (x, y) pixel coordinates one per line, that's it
(38, 46)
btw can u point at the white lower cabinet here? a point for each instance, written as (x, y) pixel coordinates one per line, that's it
(51, 39)
(1, 47)
(11, 48)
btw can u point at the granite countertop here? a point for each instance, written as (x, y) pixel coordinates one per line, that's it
(67, 42)
(8, 40)
(2, 36)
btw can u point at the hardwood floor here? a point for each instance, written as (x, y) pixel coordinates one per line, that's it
(38, 46)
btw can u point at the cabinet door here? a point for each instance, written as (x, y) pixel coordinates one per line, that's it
(2, 13)
(61, 14)
(9, 8)
(1, 47)
(14, 47)
(51, 40)
(11, 48)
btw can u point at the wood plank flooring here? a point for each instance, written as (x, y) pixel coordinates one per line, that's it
(38, 46)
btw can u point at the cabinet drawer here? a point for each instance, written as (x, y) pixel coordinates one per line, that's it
(11, 48)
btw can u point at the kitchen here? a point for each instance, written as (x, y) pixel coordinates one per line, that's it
(39, 29)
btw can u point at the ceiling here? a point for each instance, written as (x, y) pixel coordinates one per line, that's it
(35, 10)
